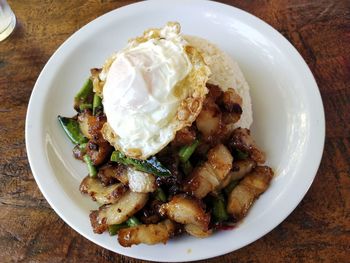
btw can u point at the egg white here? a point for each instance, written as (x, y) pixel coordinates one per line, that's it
(153, 88)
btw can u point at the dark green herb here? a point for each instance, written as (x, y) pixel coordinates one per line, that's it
(151, 165)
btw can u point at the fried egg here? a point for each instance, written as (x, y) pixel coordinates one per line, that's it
(152, 88)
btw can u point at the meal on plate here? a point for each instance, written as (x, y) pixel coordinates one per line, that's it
(163, 127)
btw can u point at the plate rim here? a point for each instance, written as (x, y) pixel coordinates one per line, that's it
(34, 96)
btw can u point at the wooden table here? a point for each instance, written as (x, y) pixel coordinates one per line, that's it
(317, 231)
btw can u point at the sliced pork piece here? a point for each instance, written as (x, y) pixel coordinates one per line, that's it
(117, 213)
(215, 92)
(221, 110)
(243, 195)
(99, 152)
(220, 160)
(96, 81)
(201, 181)
(122, 174)
(95, 124)
(98, 148)
(79, 152)
(147, 234)
(198, 231)
(91, 125)
(111, 173)
(137, 181)
(242, 140)
(239, 170)
(100, 193)
(208, 176)
(150, 213)
(208, 121)
(231, 101)
(141, 182)
(186, 210)
(83, 120)
(231, 104)
(183, 137)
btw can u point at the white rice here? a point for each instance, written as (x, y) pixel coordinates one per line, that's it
(226, 74)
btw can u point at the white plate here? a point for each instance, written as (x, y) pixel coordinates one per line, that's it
(288, 117)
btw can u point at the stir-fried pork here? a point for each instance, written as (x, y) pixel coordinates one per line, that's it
(243, 195)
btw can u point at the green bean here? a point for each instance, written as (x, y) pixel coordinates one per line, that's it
(83, 146)
(151, 165)
(85, 90)
(71, 128)
(84, 106)
(160, 195)
(240, 155)
(186, 151)
(84, 95)
(186, 167)
(228, 189)
(97, 104)
(91, 168)
(219, 209)
(133, 221)
(113, 229)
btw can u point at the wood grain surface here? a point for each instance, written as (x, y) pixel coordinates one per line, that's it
(319, 228)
